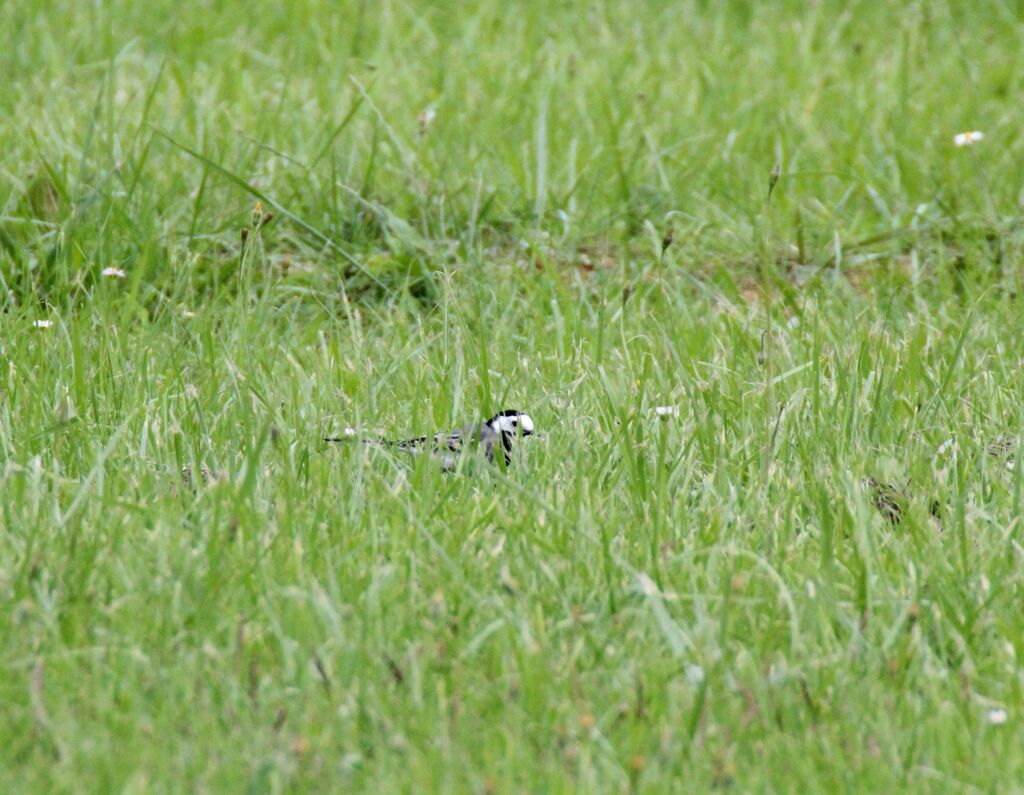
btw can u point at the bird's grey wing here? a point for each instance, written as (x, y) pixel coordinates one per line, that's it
(449, 446)
(450, 442)
(489, 439)
(414, 445)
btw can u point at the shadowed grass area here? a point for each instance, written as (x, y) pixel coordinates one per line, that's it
(560, 208)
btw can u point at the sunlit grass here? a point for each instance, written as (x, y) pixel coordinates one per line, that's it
(684, 579)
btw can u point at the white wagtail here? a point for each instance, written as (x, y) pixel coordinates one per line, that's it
(497, 433)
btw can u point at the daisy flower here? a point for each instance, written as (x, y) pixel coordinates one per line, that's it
(968, 138)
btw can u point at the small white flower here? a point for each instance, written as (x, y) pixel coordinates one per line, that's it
(350, 431)
(667, 411)
(117, 273)
(968, 138)
(187, 313)
(43, 323)
(997, 717)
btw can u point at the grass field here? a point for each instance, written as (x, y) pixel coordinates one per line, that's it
(471, 205)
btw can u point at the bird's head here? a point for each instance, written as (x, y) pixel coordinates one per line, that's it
(512, 422)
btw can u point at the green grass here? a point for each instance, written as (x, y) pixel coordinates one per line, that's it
(639, 603)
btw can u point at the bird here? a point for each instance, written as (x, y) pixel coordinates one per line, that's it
(888, 500)
(494, 434)
(1002, 448)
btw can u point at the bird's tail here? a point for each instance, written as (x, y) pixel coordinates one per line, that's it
(362, 440)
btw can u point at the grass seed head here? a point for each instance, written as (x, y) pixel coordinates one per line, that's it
(773, 177)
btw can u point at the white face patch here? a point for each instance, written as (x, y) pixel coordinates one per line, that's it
(517, 423)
